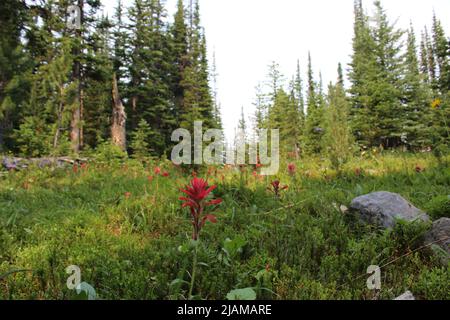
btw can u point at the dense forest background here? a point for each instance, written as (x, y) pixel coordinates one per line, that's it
(142, 74)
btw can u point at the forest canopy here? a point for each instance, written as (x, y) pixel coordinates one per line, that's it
(133, 78)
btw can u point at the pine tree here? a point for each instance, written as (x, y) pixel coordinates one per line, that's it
(298, 94)
(376, 75)
(293, 121)
(197, 98)
(388, 93)
(140, 140)
(314, 117)
(242, 124)
(338, 140)
(51, 101)
(15, 67)
(441, 46)
(120, 52)
(179, 46)
(261, 111)
(340, 80)
(137, 14)
(417, 114)
(54, 94)
(441, 103)
(206, 99)
(362, 75)
(97, 88)
(150, 86)
(215, 95)
(431, 60)
(275, 79)
(424, 67)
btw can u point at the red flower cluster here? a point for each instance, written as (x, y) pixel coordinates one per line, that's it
(196, 193)
(276, 187)
(83, 166)
(291, 169)
(157, 171)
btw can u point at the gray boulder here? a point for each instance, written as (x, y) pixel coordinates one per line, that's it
(440, 231)
(383, 208)
(9, 163)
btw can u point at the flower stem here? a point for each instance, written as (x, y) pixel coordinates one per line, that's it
(194, 271)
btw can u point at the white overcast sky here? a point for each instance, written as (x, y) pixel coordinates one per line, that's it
(247, 35)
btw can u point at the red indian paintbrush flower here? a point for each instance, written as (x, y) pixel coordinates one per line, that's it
(291, 169)
(157, 170)
(277, 187)
(196, 199)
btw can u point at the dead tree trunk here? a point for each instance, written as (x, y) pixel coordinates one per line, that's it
(119, 117)
(76, 130)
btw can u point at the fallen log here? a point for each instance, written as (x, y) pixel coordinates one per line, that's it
(16, 163)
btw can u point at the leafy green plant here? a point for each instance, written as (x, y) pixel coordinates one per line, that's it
(242, 294)
(439, 207)
(231, 249)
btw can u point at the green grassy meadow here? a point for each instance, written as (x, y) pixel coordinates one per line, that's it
(125, 228)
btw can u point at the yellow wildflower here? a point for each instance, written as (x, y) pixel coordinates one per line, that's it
(436, 103)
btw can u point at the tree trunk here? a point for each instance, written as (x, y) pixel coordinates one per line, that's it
(60, 115)
(76, 132)
(75, 125)
(119, 117)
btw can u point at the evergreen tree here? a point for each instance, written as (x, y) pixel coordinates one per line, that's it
(82, 54)
(417, 114)
(275, 79)
(15, 68)
(197, 98)
(120, 52)
(150, 92)
(376, 76)
(293, 122)
(388, 94)
(242, 124)
(338, 140)
(216, 103)
(362, 75)
(298, 95)
(140, 140)
(314, 117)
(441, 46)
(431, 60)
(97, 88)
(206, 102)
(261, 111)
(340, 80)
(424, 68)
(179, 46)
